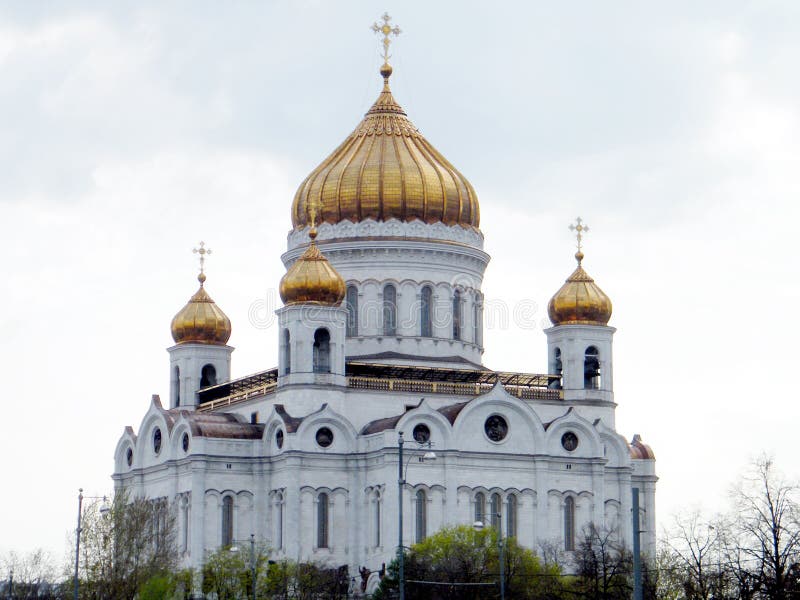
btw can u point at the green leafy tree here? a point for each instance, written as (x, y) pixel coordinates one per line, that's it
(462, 563)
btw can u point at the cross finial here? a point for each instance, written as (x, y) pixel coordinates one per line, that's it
(386, 30)
(202, 251)
(580, 229)
(313, 209)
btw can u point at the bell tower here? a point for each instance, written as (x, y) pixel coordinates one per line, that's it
(200, 357)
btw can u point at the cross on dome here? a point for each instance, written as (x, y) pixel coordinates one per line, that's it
(580, 229)
(386, 30)
(202, 251)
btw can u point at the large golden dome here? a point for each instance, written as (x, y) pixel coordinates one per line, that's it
(312, 279)
(580, 300)
(201, 321)
(386, 170)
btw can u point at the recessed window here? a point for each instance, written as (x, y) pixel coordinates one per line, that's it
(426, 312)
(351, 303)
(322, 351)
(129, 456)
(389, 310)
(185, 442)
(569, 441)
(324, 437)
(496, 428)
(208, 376)
(422, 433)
(157, 440)
(279, 438)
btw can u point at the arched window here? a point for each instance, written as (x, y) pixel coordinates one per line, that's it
(227, 521)
(496, 510)
(511, 516)
(480, 507)
(287, 352)
(279, 521)
(558, 369)
(377, 520)
(185, 524)
(569, 523)
(176, 391)
(389, 310)
(457, 315)
(422, 516)
(208, 376)
(322, 351)
(426, 312)
(591, 369)
(351, 302)
(476, 319)
(322, 521)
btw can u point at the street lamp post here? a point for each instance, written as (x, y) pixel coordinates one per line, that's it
(103, 511)
(401, 481)
(500, 547)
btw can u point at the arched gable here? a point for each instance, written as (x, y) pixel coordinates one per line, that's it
(589, 443)
(344, 434)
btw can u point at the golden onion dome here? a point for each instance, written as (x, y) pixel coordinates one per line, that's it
(201, 321)
(580, 301)
(312, 279)
(639, 450)
(387, 170)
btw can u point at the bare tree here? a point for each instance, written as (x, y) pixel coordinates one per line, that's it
(34, 574)
(696, 558)
(768, 533)
(604, 565)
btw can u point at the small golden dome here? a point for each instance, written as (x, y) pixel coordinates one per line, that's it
(312, 279)
(201, 321)
(580, 300)
(639, 450)
(387, 170)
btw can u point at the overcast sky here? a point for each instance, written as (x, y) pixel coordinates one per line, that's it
(129, 132)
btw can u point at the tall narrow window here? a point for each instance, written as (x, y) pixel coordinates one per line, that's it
(227, 521)
(457, 315)
(322, 521)
(377, 520)
(511, 516)
(389, 310)
(426, 312)
(208, 376)
(480, 507)
(569, 523)
(422, 516)
(496, 509)
(558, 368)
(279, 521)
(351, 301)
(475, 319)
(185, 519)
(322, 351)
(287, 352)
(591, 369)
(177, 389)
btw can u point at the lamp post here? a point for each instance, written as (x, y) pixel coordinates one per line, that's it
(104, 509)
(478, 525)
(252, 559)
(402, 471)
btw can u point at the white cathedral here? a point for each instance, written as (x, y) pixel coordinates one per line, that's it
(380, 339)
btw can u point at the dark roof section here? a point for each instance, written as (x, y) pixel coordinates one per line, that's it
(380, 425)
(364, 369)
(230, 388)
(400, 356)
(452, 411)
(291, 423)
(220, 425)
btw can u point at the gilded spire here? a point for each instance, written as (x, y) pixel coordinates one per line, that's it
(386, 30)
(201, 321)
(580, 301)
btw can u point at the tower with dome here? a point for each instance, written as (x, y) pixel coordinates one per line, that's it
(381, 339)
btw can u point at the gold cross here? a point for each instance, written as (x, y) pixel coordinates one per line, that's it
(202, 251)
(386, 30)
(581, 229)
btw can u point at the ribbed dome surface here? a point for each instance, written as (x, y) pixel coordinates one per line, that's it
(579, 301)
(312, 279)
(201, 321)
(387, 170)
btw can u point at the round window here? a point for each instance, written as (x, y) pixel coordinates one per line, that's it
(129, 456)
(324, 437)
(185, 442)
(157, 440)
(496, 428)
(422, 434)
(279, 438)
(570, 441)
